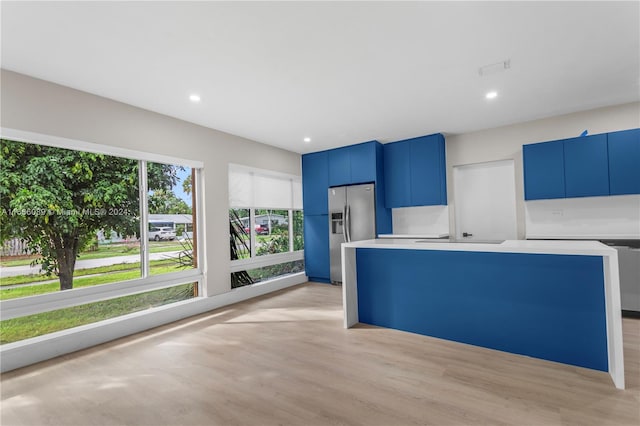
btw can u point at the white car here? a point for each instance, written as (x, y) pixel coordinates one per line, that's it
(165, 233)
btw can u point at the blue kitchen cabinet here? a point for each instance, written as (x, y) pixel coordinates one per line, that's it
(363, 162)
(428, 171)
(586, 166)
(415, 172)
(547, 306)
(352, 164)
(624, 162)
(339, 166)
(589, 166)
(543, 170)
(316, 247)
(315, 181)
(384, 221)
(397, 176)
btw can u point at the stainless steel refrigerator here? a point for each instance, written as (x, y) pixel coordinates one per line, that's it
(352, 217)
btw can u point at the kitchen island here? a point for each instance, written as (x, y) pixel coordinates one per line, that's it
(554, 300)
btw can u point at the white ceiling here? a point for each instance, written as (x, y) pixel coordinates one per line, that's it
(340, 73)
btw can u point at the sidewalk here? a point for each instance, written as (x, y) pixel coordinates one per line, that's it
(12, 271)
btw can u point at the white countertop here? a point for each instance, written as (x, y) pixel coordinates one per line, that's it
(593, 248)
(585, 237)
(414, 236)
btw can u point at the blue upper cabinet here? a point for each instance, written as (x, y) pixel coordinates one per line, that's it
(363, 162)
(624, 162)
(315, 181)
(384, 221)
(415, 172)
(397, 176)
(589, 166)
(339, 167)
(352, 164)
(543, 170)
(428, 171)
(586, 166)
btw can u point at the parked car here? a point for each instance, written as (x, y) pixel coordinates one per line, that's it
(163, 233)
(260, 229)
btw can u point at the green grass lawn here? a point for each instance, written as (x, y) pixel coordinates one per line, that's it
(107, 274)
(26, 279)
(16, 329)
(104, 251)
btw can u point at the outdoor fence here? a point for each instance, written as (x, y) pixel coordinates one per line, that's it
(14, 247)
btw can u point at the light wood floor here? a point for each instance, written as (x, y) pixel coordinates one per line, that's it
(284, 359)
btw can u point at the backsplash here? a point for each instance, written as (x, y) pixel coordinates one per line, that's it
(421, 220)
(589, 217)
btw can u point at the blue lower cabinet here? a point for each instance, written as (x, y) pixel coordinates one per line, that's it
(624, 162)
(586, 166)
(316, 247)
(545, 306)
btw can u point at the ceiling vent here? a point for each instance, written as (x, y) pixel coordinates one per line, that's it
(494, 68)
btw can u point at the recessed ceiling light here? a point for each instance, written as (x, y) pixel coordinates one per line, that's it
(491, 95)
(307, 140)
(194, 98)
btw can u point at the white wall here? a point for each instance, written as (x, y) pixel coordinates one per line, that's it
(423, 220)
(615, 217)
(38, 106)
(506, 143)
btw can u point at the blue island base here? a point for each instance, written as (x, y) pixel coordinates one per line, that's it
(542, 305)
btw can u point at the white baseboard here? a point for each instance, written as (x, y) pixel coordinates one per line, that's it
(30, 351)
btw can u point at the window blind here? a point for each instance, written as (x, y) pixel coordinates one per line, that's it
(264, 189)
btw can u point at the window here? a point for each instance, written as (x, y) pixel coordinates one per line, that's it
(265, 224)
(298, 230)
(28, 326)
(97, 223)
(274, 271)
(240, 233)
(170, 218)
(77, 212)
(272, 229)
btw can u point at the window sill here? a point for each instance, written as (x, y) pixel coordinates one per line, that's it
(23, 306)
(262, 261)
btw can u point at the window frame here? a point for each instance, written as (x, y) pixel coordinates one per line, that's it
(254, 261)
(23, 306)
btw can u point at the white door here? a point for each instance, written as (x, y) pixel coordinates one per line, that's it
(485, 201)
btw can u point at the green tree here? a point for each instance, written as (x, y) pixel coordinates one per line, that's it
(186, 185)
(57, 199)
(162, 201)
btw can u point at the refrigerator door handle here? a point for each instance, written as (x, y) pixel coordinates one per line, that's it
(344, 224)
(348, 224)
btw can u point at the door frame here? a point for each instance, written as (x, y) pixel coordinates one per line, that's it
(457, 200)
